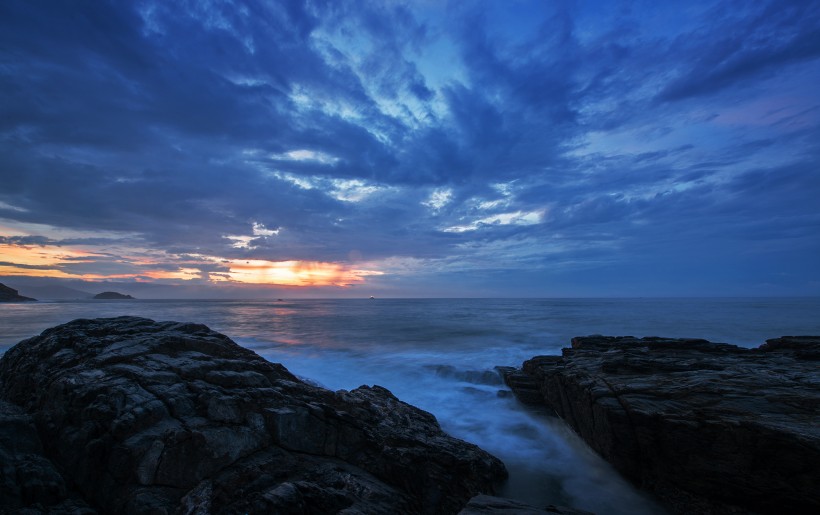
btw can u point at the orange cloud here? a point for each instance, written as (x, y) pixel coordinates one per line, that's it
(184, 274)
(40, 255)
(50, 261)
(40, 261)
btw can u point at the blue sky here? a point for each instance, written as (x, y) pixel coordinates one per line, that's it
(419, 148)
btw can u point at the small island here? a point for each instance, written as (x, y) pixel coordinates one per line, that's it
(10, 295)
(112, 295)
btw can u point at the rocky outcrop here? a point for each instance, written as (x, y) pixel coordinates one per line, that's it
(710, 428)
(112, 295)
(139, 416)
(10, 295)
(28, 480)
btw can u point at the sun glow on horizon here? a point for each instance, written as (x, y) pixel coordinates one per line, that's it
(294, 273)
(59, 262)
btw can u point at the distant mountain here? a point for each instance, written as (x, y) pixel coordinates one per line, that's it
(10, 295)
(55, 292)
(109, 295)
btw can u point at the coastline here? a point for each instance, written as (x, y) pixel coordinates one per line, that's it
(435, 354)
(562, 391)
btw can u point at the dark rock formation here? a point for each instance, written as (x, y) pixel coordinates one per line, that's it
(489, 505)
(112, 295)
(10, 295)
(710, 428)
(140, 417)
(27, 479)
(525, 386)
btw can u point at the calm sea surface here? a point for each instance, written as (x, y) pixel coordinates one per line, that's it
(439, 355)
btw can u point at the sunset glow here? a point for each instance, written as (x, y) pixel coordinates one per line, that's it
(38, 261)
(41, 255)
(295, 273)
(57, 262)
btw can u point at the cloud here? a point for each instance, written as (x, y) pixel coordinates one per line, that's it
(26, 240)
(739, 47)
(459, 136)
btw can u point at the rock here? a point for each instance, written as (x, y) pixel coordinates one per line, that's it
(112, 295)
(524, 386)
(489, 505)
(485, 377)
(169, 417)
(708, 427)
(10, 295)
(27, 478)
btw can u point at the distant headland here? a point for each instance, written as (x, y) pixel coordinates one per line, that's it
(10, 295)
(109, 295)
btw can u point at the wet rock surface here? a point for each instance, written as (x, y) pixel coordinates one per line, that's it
(128, 415)
(28, 480)
(708, 427)
(490, 505)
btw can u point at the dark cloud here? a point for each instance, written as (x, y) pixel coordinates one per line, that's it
(738, 48)
(27, 240)
(477, 135)
(25, 266)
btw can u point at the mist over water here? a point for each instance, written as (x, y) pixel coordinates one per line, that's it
(440, 355)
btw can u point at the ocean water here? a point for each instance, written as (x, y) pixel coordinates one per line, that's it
(440, 355)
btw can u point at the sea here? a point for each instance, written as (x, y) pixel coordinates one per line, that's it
(440, 355)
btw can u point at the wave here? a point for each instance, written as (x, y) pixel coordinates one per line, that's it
(485, 377)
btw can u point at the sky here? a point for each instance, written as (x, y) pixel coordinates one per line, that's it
(412, 148)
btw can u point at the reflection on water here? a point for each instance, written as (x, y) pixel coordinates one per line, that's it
(439, 355)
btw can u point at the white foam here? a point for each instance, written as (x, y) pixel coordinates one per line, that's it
(548, 464)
